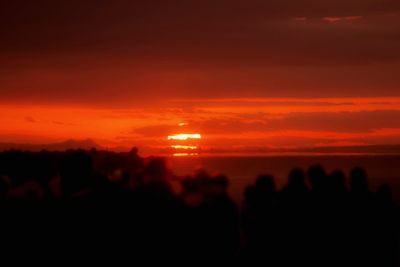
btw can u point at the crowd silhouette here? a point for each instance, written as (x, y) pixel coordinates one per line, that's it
(101, 204)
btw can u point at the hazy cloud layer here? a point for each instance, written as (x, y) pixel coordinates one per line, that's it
(345, 122)
(131, 52)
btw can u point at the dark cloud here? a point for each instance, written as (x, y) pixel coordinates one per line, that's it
(128, 51)
(365, 121)
(30, 119)
(338, 122)
(156, 130)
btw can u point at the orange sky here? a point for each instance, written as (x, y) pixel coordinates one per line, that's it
(242, 73)
(223, 123)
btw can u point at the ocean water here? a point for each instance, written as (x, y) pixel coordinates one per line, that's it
(243, 170)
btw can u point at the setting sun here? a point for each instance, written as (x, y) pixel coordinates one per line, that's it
(184, 147)
(183, 137)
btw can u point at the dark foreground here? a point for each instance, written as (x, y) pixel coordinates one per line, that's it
(98, 206)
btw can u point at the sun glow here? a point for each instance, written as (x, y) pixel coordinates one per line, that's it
(184, 137)
(184, 154)
(185, 144)
(184, 147)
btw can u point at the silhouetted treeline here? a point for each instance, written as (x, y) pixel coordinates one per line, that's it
(103, 205)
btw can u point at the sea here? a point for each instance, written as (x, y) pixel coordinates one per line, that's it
(242, 170)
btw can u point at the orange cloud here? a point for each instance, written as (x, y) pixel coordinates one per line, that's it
(218, 122)
(340, 19)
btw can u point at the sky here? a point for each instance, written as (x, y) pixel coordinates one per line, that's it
(243, 74)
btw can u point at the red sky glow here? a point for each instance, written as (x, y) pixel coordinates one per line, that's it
(241, 74)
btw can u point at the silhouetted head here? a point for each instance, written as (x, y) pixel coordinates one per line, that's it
(218, 185)
(296, 177)
(359, 182)
(266, 183)
(134, 151)
(192, 195)
(221, 181)
(203, 179)
(317, 177)
(189, 185)
(201, 174)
